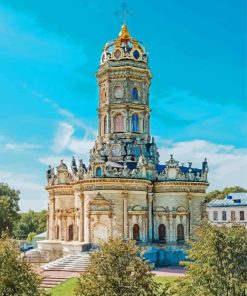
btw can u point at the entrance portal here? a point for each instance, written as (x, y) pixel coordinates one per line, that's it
(71, 232)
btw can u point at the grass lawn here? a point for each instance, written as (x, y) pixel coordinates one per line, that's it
(66, 288)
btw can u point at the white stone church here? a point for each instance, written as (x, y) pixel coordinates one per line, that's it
(125, 191)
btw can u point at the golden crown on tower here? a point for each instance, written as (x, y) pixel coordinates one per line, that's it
(125, 47)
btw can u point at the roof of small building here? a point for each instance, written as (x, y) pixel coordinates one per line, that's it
(235, 199)
(41, 235)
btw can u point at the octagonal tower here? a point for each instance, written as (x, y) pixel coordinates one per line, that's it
(124, 114)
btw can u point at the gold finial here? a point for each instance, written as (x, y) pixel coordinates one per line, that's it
(124, 33)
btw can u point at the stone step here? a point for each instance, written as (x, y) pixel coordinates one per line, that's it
(51, 282)
(78, 262)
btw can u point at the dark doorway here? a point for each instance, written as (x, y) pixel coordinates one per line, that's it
(71, 232)
(162, 232)
(180, 233)
(136, 232)
(57, 232)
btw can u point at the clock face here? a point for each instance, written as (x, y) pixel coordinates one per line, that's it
(118, 93)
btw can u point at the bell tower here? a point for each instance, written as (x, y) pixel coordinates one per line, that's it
(124, 80)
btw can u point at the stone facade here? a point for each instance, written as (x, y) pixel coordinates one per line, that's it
(125, 191)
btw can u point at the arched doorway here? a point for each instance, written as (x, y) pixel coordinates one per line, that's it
(98, 172)
(71, 232)
(136, 232)
(180, 232)
(162, 232)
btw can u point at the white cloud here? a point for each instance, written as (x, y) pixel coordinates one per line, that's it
(65, 139)
(21, 146)
(227, 164)
(63, 136)
(71, 118)
(65, 142)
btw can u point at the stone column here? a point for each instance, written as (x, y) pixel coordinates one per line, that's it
(108, 122)
(150, 216)
(128, 129)
(60, 223)
(86, 220)
(81, 219)
(65, 228)
(62, 235)
(51, 216)
(125, 215)
(99, 124)
(189, 230)
(130, 226)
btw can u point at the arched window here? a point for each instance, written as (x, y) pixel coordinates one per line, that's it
(105, 125)
(136, 232)
(71, 232)
(134, 93)
(57, 232)
(118, 123)
(162, 232)
(135, 123)
(180, 232)
(98, 172)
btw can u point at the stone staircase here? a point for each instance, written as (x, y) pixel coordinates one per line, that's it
(51, 282)
(78, 263)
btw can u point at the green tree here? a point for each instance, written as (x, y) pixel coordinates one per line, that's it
(218, 263)
(9, 208)
(16, 277)
(30, 222)
(30, 236)
(117, 270)
(223, 193)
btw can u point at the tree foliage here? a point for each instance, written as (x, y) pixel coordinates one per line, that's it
(16, 277)
(30, 222)
(217, 194)
(117, 269)
(218, 263)
(9, 208)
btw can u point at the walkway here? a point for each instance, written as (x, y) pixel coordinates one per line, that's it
(169, 271)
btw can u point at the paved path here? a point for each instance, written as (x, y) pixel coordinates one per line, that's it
(169, 271)
(52, 278)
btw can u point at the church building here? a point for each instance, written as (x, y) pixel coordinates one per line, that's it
(124, 191)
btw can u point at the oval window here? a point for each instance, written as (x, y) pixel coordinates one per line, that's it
(117, 54)
(136, 54)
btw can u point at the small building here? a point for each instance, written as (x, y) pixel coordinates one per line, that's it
(233, 208)
(37, 238)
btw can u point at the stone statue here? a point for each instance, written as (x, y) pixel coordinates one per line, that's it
(74, 166)
(81, 169)
(48, 173)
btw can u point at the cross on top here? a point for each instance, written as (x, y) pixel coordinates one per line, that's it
(124, 12)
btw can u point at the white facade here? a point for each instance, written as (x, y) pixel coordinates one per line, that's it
(233, 208)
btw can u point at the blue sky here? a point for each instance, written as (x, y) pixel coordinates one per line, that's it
(49, 54)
